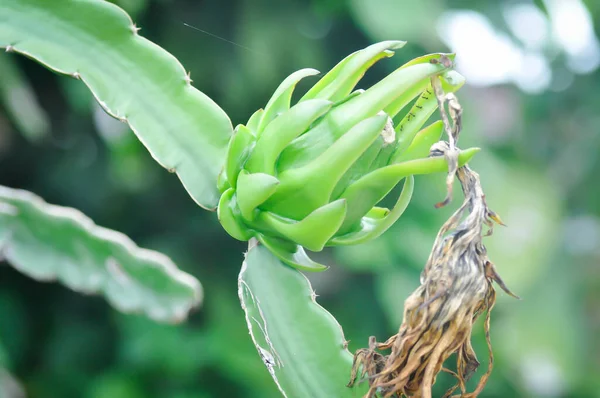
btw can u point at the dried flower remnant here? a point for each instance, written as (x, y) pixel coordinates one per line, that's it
(456, 288)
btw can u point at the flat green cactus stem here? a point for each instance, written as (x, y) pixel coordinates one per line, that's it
(300, 343)
(49, 242)
(133, 79)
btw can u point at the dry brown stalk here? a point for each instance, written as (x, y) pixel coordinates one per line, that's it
(456, 288)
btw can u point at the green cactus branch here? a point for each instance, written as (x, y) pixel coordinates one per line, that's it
(132, 78)
(300, 343)
(49, 242)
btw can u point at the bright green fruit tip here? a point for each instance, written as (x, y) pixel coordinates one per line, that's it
(311, 175)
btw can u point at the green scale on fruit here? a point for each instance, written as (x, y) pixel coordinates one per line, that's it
(311, 175)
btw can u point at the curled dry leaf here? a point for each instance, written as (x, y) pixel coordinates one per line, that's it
(456, 288)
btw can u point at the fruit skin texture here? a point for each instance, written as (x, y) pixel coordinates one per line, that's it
(310, 175)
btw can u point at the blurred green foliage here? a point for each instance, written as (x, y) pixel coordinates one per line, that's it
(539, 168)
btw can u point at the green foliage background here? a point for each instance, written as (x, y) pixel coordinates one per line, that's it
(539, 168)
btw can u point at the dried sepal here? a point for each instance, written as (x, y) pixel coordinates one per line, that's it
(456, 288)
(438, 317)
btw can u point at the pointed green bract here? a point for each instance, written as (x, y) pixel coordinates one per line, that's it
(254, 121)
(369, 190)
(421, 144)
(278, 134)
(222, 183)
(395, 107)
(353, 94)
(382, 94)
(361, 167)
(230, 217)
(291, 254)
(311, 186)
(252, 191)
(411, 93)
(382, 159)
(49, 242)
(133, 79)
(378, 220)
(300, 343)
(416, 117)
(238, 151)
(280, 101)
(340, 81)
(429, 58)
(423, 108)
(314, 230)
(341, 118)
(452, 81)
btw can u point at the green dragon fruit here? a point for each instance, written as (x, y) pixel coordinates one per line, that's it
(310, 175)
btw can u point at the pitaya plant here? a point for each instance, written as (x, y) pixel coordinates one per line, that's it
(296, 176)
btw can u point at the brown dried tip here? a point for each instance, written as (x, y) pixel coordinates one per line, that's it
(443, 59)
(456, 288)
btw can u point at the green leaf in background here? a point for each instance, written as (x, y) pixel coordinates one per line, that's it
(20, 101)
(9, 386)
(301, 344)
(378, 19)
(133, 79)
(49, 242)
(4, 361)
